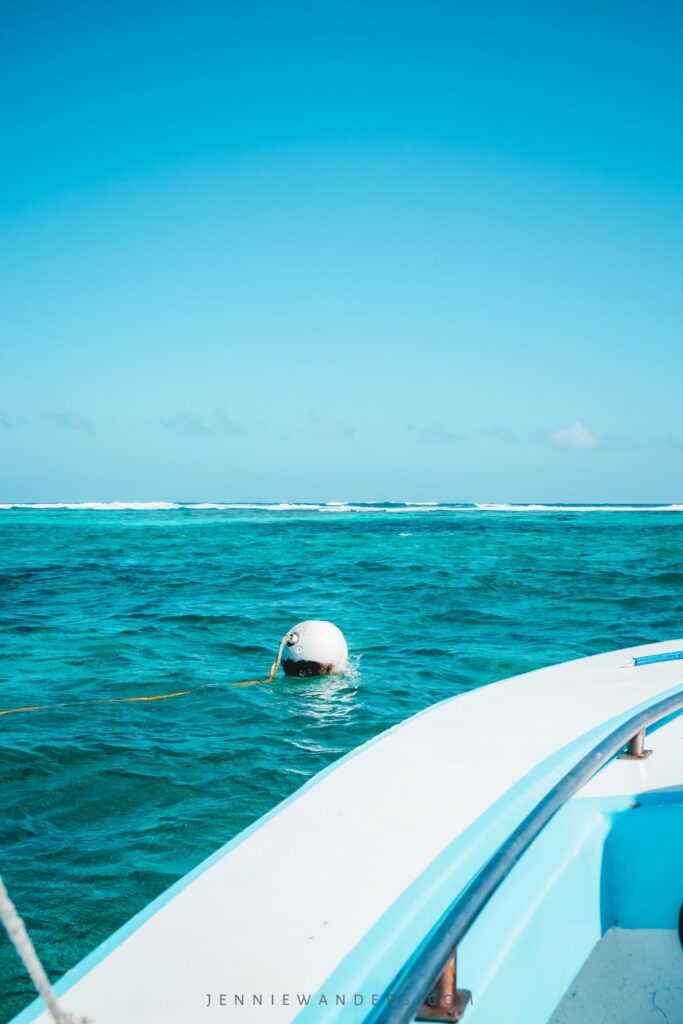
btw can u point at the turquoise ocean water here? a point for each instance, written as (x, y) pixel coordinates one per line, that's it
(105, 805)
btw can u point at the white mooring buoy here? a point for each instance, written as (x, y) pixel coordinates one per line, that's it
(315, 648)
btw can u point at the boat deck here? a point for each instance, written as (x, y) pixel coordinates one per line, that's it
(329, 894)
(634, 975)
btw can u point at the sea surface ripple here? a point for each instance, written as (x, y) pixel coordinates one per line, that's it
(105, 805)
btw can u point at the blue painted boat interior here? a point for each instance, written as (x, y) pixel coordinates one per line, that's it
(599, 863)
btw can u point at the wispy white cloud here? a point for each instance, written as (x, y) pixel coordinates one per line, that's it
(9, 422)
(668, 441)
(576, 436)
(191, 424)
(438, 433)
(223, 421)
(70, 421)
(498, 434)
(185, 423)
(327, 428)
(621, 444)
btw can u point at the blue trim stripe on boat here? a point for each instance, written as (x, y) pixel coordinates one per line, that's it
(370, 966)
(101, 952)
(651, 659)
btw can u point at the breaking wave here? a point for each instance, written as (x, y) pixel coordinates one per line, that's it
(96, 506)
(578, 508)
(330, 507)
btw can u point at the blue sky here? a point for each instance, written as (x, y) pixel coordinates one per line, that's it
(319, 251)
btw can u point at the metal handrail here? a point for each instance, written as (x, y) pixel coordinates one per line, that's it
(401, 1000)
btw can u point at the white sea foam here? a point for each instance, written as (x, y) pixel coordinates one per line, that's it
(97, 506)
(333, 507)
(287, 506)
(221, 505)
(578, 508)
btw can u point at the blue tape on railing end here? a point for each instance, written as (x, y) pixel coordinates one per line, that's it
(651, 659)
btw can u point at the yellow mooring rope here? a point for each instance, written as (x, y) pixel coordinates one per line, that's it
(105, 700)
(274, 668)
(153, 697)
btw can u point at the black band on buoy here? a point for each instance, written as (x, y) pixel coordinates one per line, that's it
(306, 668)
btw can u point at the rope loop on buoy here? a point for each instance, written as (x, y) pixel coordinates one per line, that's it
(21, 940)
(275, 666)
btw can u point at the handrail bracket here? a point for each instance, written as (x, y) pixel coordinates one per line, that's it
(404, 995)
(446, 1002)
(635, 751)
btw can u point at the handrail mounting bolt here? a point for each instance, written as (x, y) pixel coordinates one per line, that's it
(635, 751)
(446, 1002)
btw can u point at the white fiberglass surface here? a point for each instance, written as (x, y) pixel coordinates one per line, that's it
(282, 909)
(662, 770)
